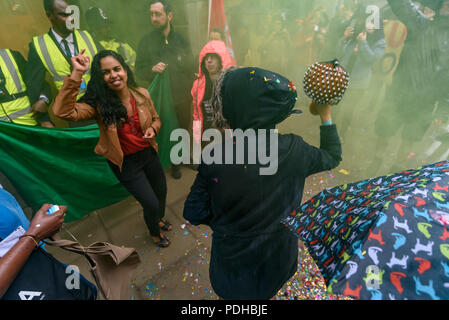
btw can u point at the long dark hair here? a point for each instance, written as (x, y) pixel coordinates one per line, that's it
(112, 110)
(360, 17)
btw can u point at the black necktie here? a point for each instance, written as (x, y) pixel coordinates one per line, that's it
(66, 47)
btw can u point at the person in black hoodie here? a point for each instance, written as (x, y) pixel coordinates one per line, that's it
(252, 253)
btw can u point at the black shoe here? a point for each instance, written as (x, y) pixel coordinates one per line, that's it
(163, 243)
(167, 226)
(175, 172)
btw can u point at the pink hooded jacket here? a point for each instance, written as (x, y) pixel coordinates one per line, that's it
(199, 86)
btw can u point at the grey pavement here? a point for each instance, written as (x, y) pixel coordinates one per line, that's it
(178, 272)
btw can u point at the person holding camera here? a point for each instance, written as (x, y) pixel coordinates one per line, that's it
(360, 48)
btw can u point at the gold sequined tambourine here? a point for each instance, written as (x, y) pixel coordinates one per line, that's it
(325, 83)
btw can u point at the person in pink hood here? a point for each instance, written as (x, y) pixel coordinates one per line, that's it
(214, 57)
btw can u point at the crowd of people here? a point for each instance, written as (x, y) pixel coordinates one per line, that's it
(397, 52)
(90, 77)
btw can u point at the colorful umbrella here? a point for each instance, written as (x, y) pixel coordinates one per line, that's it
(382, 238)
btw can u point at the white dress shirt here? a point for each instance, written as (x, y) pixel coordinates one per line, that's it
(69, 40)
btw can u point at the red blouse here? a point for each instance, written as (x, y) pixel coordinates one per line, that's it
(131, 134)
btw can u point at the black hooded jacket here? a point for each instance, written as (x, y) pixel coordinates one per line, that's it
(252, 253)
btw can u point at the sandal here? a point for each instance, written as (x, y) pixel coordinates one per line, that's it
(163, 243)
(167, 225)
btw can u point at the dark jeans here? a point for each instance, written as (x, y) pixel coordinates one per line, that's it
(142, 175)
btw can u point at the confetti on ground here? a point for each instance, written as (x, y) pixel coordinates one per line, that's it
(307, 283)
(150, 287)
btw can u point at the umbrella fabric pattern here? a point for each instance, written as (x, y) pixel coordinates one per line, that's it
(382, 238)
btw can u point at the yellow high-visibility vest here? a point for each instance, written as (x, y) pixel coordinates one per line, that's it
(128, 53)
(55, 62)
(18, 108)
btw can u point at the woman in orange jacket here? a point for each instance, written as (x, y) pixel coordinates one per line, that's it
(128, 125)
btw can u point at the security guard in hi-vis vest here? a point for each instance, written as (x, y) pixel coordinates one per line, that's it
(15, 106)
(100, 26)
(50, 53)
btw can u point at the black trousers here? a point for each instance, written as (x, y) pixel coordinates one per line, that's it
(142, 175)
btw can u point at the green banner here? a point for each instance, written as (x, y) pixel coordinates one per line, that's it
(160, 92)
(58, 166)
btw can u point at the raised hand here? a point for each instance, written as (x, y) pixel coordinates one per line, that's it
(362, 36)
(81, 63)
(324, 111)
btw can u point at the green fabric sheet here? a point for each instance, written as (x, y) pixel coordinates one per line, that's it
(160, 92)
(58, 166)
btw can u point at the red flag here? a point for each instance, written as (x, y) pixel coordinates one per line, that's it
(217, 19)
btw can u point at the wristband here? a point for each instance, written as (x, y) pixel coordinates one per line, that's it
(327, 123)
(155, 132)
(31, 237)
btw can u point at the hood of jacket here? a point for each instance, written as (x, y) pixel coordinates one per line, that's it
(256, 98)
(219, 48)
(199, 86)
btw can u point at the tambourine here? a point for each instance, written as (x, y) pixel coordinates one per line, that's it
(325, 83)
